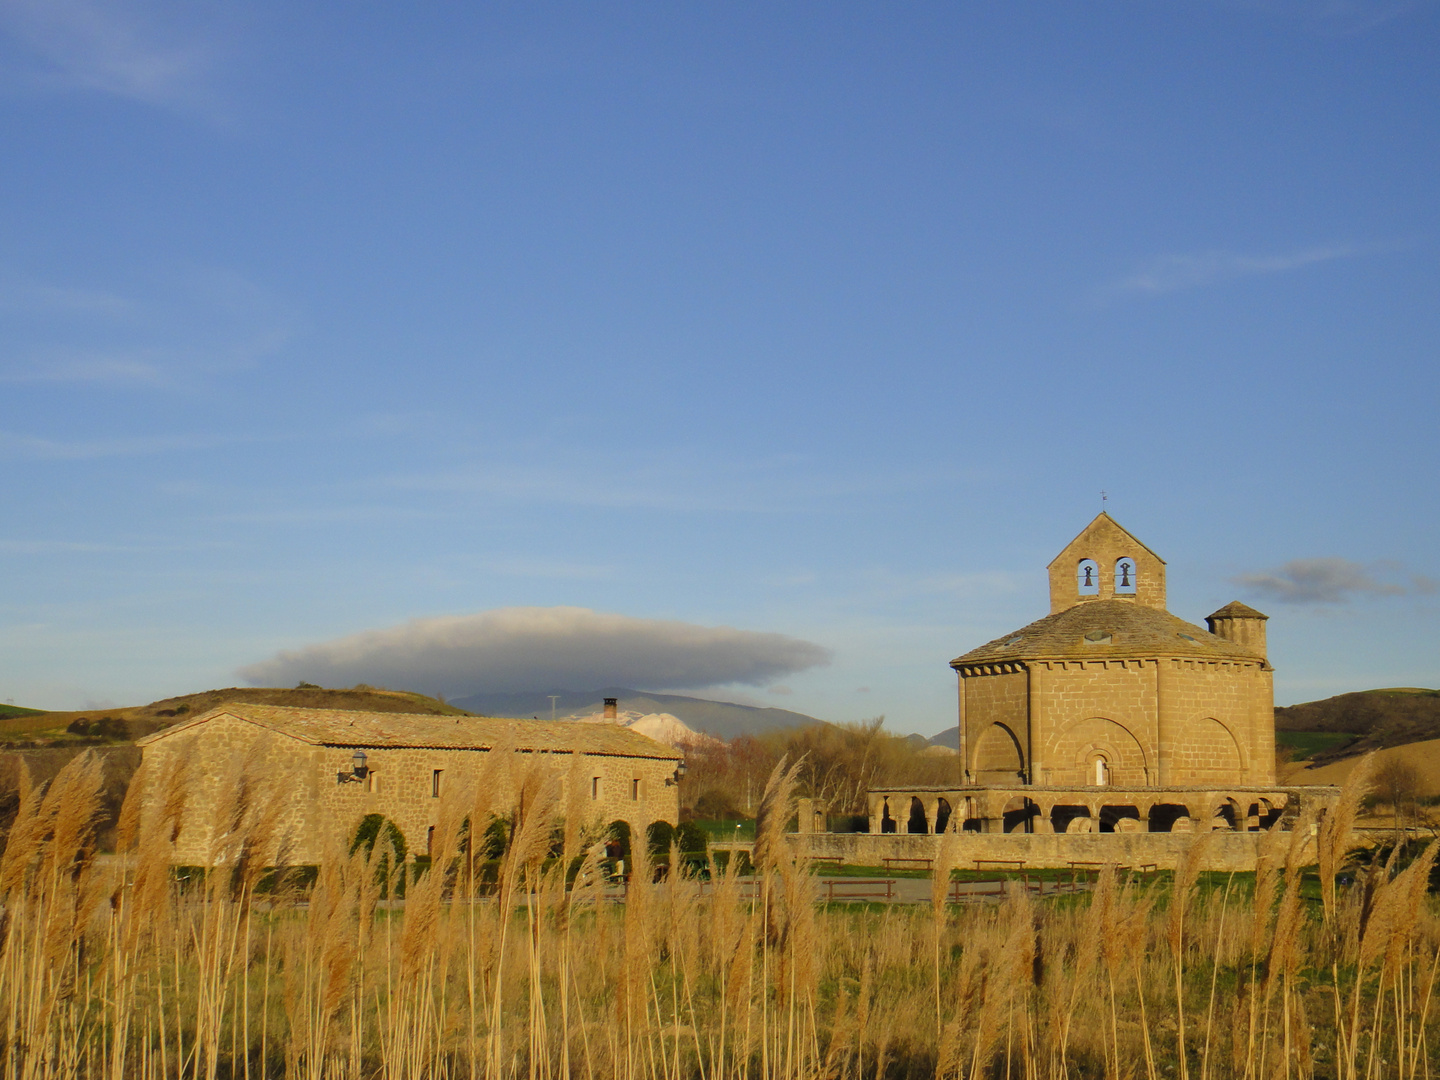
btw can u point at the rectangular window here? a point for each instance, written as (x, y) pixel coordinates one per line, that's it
(595, 787)
(634, 790)
(430, 840)
(435, 784)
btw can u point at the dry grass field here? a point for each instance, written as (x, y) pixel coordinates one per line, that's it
(118, 967)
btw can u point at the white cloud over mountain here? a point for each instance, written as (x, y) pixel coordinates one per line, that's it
(512, 650)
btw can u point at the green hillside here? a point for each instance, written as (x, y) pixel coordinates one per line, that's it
(1358, 722)
(32, 729)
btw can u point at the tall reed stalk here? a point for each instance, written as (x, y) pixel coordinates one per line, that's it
(117, 967)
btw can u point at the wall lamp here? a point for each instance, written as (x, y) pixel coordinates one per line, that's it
(358, 771)
(679, 774)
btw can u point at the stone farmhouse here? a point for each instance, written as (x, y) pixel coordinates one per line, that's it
(330, 768)
(1110, 714)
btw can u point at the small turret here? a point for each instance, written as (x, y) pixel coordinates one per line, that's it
(1241, 624)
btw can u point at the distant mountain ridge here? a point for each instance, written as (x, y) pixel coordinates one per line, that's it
(721, 719)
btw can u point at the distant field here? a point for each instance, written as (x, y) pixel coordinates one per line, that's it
(1307, 744)
(7, 711)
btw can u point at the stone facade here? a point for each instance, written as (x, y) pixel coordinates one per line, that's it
(1112, 690)
(1110, 715)
(306, 760)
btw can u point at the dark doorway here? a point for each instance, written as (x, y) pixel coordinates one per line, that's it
(917, 822)
(942, 816)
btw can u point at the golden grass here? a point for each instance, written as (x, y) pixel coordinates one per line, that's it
(113, 968)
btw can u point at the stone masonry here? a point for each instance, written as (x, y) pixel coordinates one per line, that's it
(306, 760)
(1110, 715)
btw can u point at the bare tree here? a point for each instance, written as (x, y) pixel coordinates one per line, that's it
(1398, 783)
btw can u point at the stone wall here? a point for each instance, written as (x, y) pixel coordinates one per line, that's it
(1226, 850)
(315, 807)
(1154, 721)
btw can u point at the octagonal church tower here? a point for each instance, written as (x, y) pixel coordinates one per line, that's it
(1110, 689)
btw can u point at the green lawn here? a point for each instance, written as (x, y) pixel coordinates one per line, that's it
(7, 711)
(728, 830)
(1307, 744)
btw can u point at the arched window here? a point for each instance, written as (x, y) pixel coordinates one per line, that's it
(1087, 577)
(1125, 576)
(1102, 771)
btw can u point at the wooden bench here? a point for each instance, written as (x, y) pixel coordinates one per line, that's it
(859, 888)
(1089, 870)
(892, 861)
(834, 860)
(958, 897)
(1000, 864)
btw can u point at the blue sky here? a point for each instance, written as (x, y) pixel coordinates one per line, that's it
(822, 320)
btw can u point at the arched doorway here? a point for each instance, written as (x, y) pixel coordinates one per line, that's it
(916, 822)
(942, 815)
(1112, 816)
(1018, 815)
(887, 823)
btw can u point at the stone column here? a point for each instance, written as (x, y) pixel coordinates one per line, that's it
(877, 812)
(932, 811)
(964, 742)
(1041, 823)
(1165, 721)
(1035, 766)
(1262, 723)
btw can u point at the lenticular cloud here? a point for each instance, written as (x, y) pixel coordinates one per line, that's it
(514, 650)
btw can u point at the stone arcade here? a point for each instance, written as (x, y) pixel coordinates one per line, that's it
(1110, 714)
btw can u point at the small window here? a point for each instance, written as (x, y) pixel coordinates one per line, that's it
(430, 840)
(435, 783)
(635, 790)
(595, 787)
(1099, 637)
(372, 783)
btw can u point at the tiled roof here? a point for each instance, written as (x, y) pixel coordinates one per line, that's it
(1133, 630)
(1236, 610)
(340, 727)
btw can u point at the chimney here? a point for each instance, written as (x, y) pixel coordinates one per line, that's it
(610, 704)
(1241, 624)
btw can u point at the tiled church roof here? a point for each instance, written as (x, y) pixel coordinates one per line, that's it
(340, 727)
(1236, 610)
(1079, 633)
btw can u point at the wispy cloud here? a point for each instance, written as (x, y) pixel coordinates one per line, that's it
(604, 478)
(153, 53)
(1333, 581)
(1172, 273)
(161, 332)
(28, 297)
(513, 650)
(1334, 17)
(34, 448)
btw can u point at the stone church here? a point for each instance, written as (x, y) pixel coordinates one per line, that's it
(1110, 713)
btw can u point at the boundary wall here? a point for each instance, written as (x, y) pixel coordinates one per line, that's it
(1227, 850)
